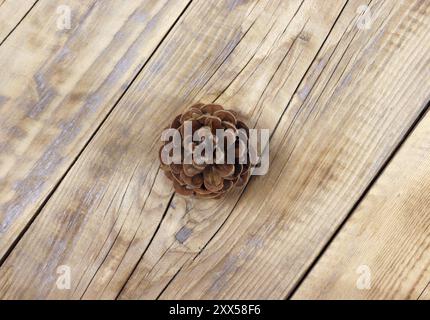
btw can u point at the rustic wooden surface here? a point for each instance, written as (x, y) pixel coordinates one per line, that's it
(426, 294)
(11, 14)
(388, 234)
(57, 86)
(343, 92)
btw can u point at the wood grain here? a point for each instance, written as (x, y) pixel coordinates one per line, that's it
(425, 295)
(57, 86)
(104, 214)
(324, 153)
(338, 98)
(260, 91)
(11, 13)
(388, 234)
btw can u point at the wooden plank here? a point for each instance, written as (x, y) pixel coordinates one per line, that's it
(426, 293)
(382, 252)
(104, 214)
(169, 250)
(57, 86)
(11, 13)
(324, 154)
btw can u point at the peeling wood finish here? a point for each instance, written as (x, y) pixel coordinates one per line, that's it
(387, 239)
(57, 86)
(79, 179)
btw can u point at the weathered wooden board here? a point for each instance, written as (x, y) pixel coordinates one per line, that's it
(325, 152)
(57, 86)
(114, 216)
(104, 214)
(188, 225)
(11, 13)
(382, 252)
(426, 293)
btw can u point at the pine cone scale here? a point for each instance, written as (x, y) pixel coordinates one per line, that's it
(207, 178)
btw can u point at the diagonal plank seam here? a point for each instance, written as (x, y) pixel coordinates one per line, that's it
(231, 50)
(421, 105)
(417, 121)
(275, 128)
(19, 22)
(367, 189)
(422, 292)
(214, 101)
(58, 183)
(319, 96)
(279, 65)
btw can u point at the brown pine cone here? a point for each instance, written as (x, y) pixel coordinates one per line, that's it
(206, 179)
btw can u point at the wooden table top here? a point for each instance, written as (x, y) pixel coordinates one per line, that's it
(86, 88)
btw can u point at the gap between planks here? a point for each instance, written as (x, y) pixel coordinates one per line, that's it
(387, 233)
(58, 183)
(258, 100)
(410, 131)
(285, 41)
(215, 101)
(418, 107)
(178, 271)
(39, 209)
(7, 35)
(271, 135)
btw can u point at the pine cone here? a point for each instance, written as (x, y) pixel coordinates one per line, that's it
(209, 179)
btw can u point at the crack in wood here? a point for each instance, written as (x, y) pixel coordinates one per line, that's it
(279, 120)
(147, 247)
(308, 270)
(93, 134)
(310, 95)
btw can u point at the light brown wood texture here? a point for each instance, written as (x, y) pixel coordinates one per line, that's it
(188, 225)
(425, 295)
(80, 156)
(324, 154)
(388, 234)
(11, 13)
(56, 87)
(110, 203)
